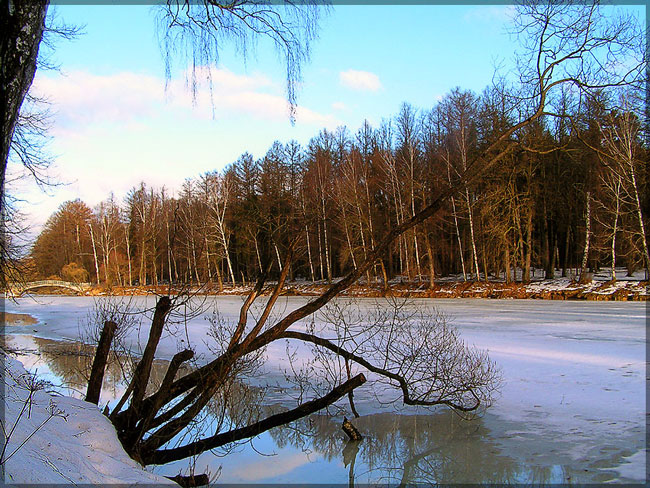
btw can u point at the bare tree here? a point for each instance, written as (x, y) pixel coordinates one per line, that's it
(461, 112)
(194, 31)
(148, 424)
(426, 362)
(622, 150)
(219, 188)
(25, 119)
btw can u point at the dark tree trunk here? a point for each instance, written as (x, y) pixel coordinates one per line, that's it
(190, 481)
(143, 370)
(99, 362)
(21, 30)
(551, 245)
(350, 430)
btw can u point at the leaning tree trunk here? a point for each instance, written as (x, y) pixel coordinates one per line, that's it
(99, 362)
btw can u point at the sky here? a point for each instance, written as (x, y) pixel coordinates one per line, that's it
(116, 122)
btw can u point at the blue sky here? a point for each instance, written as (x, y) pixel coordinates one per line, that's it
(115, 125)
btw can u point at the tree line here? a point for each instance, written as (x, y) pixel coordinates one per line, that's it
(571, 194)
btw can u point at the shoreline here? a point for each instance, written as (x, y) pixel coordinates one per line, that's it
(553, 289)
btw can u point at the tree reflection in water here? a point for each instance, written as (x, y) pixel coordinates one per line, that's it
(438, 448)
(71, 363)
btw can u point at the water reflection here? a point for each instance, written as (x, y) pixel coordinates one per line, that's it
(435, 448)
(66, 365)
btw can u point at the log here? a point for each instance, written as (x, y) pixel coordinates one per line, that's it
(143, 369)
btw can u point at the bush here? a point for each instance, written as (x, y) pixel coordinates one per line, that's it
(74, 272)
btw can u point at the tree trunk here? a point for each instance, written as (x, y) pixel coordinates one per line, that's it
(143, 369)
(92, 240)
(460, 244)
(350, 430)
(99, 362)
(220, 439)
(565, 263)
(432, 270)
(224, 243)
(471, 232)
(637, 201)
(507, 262)
(529, 244)
(21, 30)
(585, 253)
(128, 254)
(309, 257)
(615, 227)
(207, 257)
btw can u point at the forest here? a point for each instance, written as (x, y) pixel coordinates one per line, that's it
(568, 194)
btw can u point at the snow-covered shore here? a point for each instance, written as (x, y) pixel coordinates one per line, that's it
(72, 442)
(600, 286)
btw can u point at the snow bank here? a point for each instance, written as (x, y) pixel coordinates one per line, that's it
(77, 445)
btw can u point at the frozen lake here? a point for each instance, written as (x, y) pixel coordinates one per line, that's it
(571, 408)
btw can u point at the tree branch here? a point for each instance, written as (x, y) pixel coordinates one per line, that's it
(169, 455)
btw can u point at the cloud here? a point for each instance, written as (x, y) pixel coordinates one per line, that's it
(340, 106)
(81, 99)
(360, 80)
(265, 468)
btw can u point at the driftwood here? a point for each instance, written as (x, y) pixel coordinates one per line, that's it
(99, 362)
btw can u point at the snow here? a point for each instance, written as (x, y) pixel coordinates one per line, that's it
(538, 275)
(600, 287)
(77, 445)
(633, 466)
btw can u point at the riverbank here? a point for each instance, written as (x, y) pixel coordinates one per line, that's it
(552, 289)
(62, 440)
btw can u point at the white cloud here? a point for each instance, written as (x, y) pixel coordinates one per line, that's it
(340, 106)
(264, 468)
(360, 80)
(81, 99)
